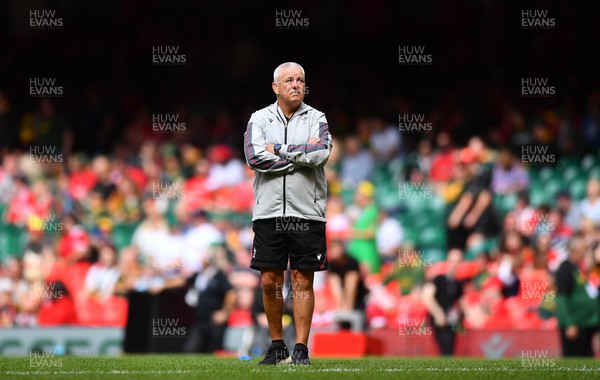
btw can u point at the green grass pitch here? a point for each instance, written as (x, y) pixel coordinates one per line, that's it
(165, 367)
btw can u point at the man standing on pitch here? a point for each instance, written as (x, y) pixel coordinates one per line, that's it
(287, 144)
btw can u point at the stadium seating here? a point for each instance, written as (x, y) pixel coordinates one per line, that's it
(13, 240)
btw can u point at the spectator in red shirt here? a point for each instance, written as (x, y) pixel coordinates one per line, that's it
(82, 178)
(22, 204)
(74, 244)
(198, 194)
(57, 307)
(443, 160)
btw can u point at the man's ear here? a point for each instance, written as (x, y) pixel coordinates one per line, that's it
(275, 88)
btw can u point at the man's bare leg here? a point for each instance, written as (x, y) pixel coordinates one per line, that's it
(304, 303)
(272, 284)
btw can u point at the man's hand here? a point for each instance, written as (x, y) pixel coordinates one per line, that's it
(453, 220)
(261, 319)
(220, 317)
(572, 332)
(154, 290)
(470, 220)
(271, 147)
(440, 320)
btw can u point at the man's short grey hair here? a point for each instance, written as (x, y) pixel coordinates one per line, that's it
(284, 65)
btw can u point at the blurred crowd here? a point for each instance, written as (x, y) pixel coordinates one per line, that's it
(79, 232)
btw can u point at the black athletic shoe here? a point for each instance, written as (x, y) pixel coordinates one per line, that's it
(300, 355)
(277, 354)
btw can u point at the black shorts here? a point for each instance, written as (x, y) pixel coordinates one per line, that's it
(300, 240)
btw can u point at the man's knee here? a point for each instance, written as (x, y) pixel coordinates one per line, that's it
(271, 281)
(302, 279)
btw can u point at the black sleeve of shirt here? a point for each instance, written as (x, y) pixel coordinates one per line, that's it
(334, 269)
(189, 282)
(438, 281)
(564, 278)
(479, 183)
(473, 189)
(352, 265)
(461, 287)
(440, 291)
(223, 282)
(485, 177)
(341, 270)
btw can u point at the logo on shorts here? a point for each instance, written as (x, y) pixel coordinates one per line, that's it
(254, 253)
(319, 256)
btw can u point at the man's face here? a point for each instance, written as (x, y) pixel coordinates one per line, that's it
(563, 203)
(290, 85)
(454, 258)
(505, 159)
